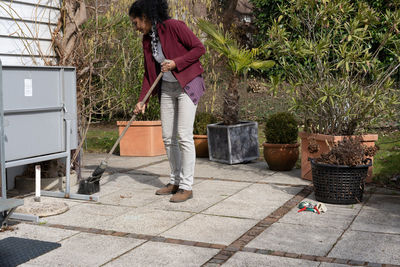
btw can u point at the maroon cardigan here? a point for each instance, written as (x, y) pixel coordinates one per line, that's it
(179, 44)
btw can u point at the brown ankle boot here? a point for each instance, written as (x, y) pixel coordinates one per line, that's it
(168, 189)
(182, 195)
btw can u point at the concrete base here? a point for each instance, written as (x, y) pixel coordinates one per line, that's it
(46, 207)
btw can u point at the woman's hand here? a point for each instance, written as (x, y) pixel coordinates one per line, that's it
(140, 107)
(168, 65)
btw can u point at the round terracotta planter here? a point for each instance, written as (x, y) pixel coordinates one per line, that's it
(281, 157)
(201, 145)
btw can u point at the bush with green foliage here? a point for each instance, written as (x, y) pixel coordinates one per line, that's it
(113, 52)
(281, 128)
(201, 121)
(264, 12)
(339, 77)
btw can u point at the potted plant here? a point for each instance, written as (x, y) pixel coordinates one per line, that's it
(339, 175)
(201, 121)
(338, 59)
(144, 136)
(281, 149)
(232, 141)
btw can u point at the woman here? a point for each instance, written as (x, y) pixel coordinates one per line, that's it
(171, 47)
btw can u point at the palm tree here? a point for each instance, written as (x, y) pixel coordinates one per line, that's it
(240, 61)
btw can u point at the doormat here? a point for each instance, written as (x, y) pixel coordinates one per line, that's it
(15, 251)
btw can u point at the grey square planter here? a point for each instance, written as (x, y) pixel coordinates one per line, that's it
(233, 144)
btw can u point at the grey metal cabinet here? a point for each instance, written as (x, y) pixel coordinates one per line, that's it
(36, 101)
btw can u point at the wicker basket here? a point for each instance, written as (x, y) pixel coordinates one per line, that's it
(339, 184)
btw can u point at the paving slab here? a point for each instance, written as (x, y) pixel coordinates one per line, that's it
(252, 259)
(255, 202)
(337, 216)
(38, 232)
(165, 254)
(220, 188)
(86, 250)
(250, 172)
(210, 229)
(129, 197)
(92, 160)
(145, 221)
(380, 214)
(104, 191)
(290, 177)
(138, 180)
(298, 239)
(206, 194)
(385, 203)
(367, 246)
(132, 179)
(87, 215)
(373, 220)
(161, 168)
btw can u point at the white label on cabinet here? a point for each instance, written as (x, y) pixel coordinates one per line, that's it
(28, 87)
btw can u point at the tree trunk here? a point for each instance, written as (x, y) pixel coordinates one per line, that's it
(227, 14)
(65, 36)
(231, 103)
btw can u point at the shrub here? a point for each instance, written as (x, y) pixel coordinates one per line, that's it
(339, 76)
(201, 121)
(281, 128)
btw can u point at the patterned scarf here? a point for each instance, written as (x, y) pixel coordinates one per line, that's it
(154, 40)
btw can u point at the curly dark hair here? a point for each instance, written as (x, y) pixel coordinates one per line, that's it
(155, 10)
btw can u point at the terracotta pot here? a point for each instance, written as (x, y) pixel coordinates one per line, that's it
(143, 139)
(201, 145)
(281, 157)
(322, 141)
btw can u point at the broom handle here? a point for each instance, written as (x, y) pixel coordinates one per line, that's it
(134, 115)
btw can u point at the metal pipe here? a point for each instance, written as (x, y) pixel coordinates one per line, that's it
(2, 152)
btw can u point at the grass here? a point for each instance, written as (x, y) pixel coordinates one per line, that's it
(387, 160)
(101, 138)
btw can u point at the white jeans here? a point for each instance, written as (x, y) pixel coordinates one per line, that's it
(177, 118)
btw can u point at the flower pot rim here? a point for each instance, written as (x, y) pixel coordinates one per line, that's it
(144, 123)
(281, 145)
(241, 123)
(200, 136)
(335, 138)
(367, 165)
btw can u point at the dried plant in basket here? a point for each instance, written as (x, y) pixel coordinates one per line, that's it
(349, 152)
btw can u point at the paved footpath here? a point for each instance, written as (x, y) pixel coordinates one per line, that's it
(241, 215)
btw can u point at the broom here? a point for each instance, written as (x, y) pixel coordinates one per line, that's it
(91, 185)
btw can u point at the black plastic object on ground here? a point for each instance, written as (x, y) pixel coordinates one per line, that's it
(15, 251)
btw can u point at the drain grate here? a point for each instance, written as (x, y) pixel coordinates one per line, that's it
(15, 250)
